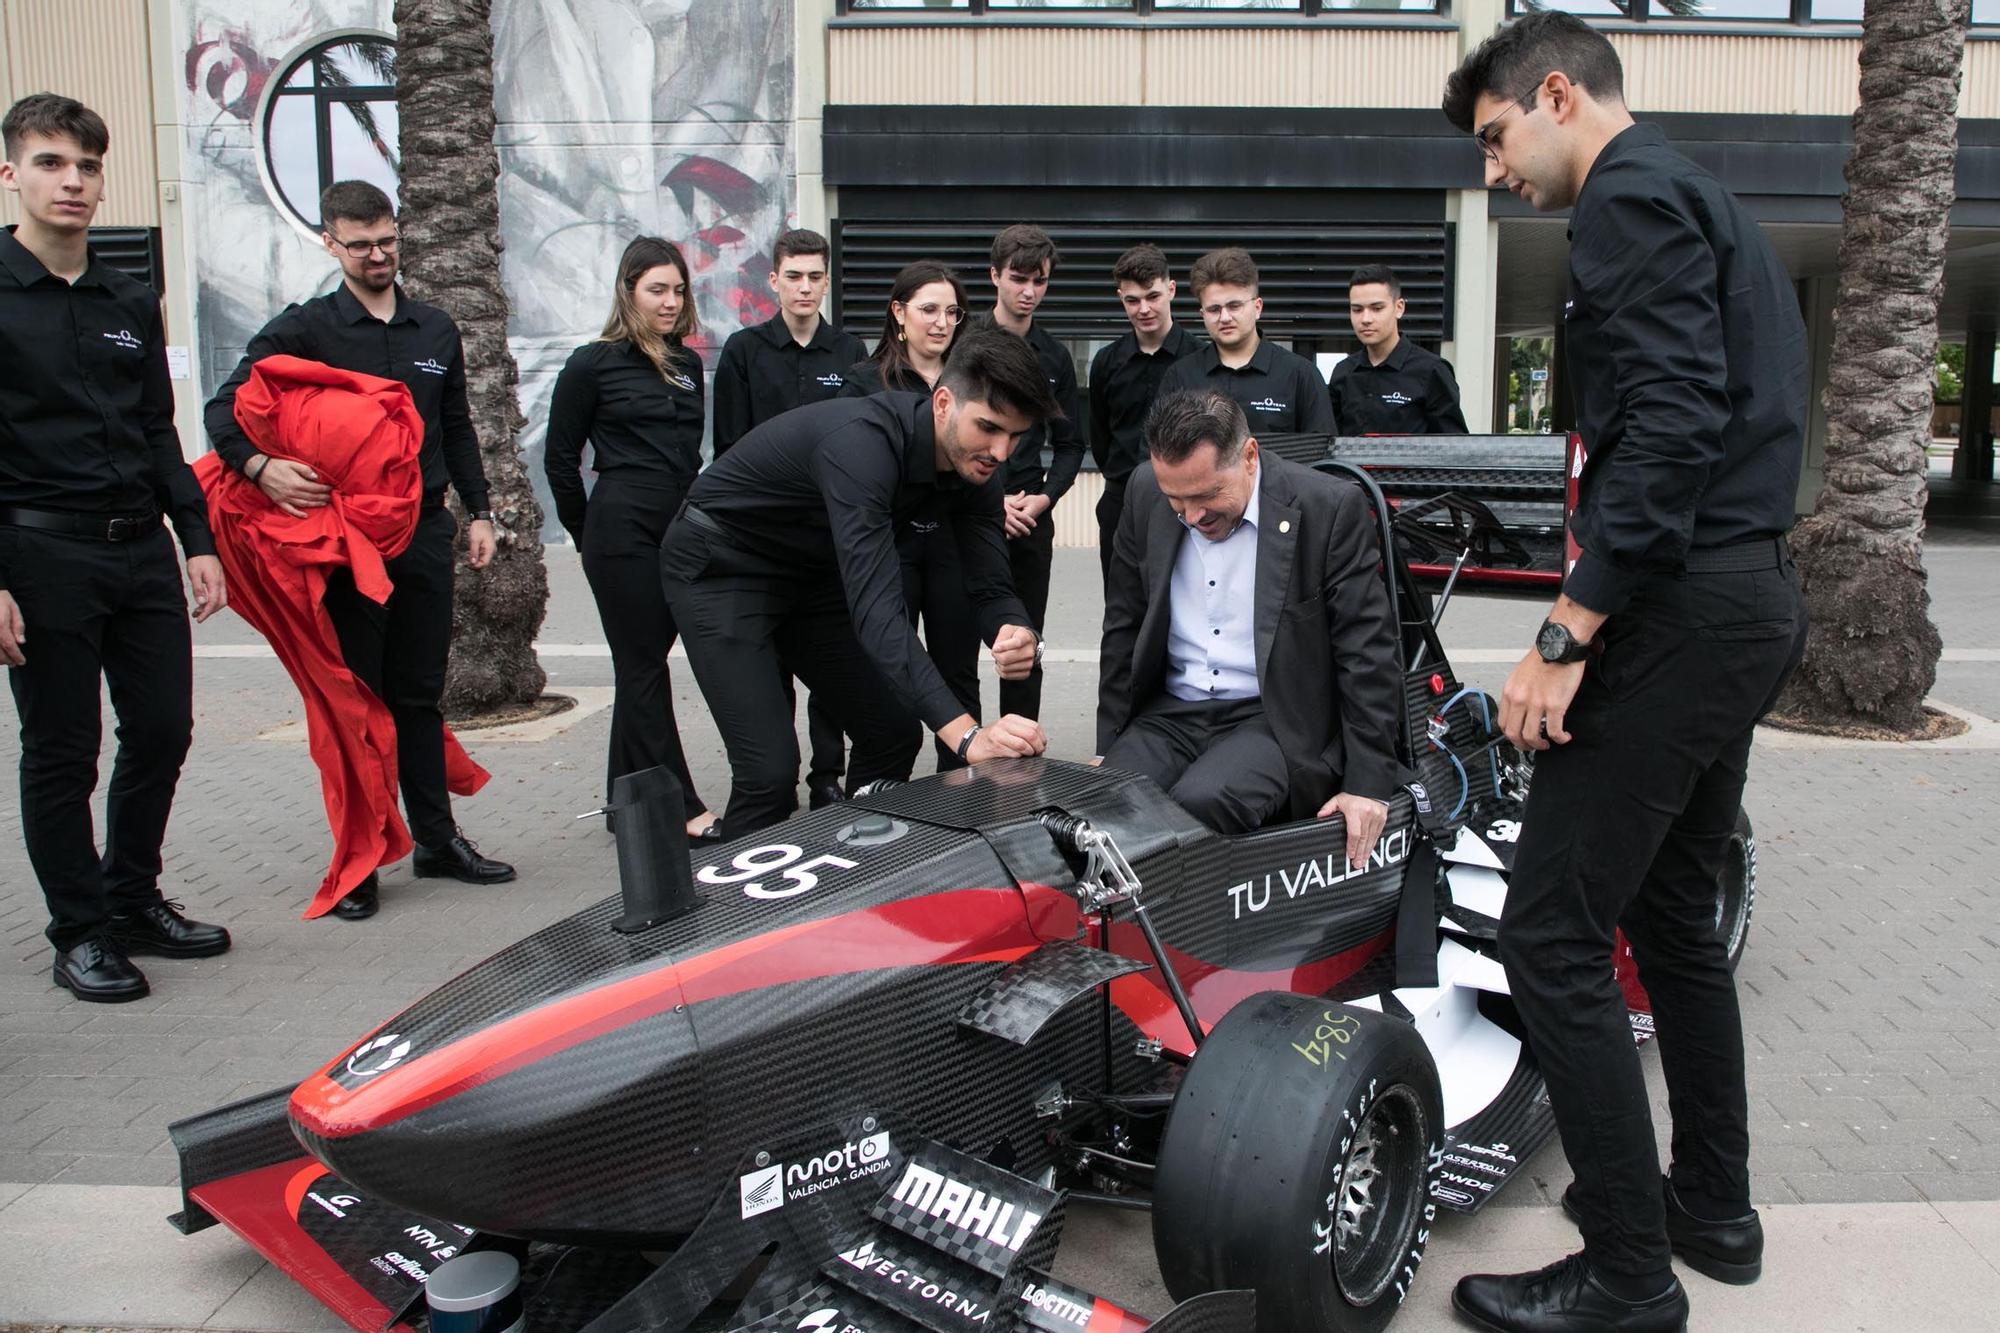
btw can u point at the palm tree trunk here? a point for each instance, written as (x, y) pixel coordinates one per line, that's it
(450, 222)
(1873, 651)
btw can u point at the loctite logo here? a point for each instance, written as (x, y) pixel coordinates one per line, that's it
(980, 1215)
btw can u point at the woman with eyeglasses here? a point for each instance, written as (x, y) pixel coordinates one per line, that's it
(927, 308)
(635, 395)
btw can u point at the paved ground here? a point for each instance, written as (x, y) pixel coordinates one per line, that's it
(1869, 991)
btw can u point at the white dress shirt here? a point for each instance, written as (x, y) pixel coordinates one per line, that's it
(1212, 614)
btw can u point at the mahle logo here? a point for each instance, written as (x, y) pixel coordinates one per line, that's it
(773, 1186)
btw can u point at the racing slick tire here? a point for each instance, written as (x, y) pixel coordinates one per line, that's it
(1298, 1161)
(1736, 892)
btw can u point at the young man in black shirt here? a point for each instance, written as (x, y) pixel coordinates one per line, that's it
(1278, 390)
(1391, 386)
(89, 591)
(1022, 259)
(1676, 628)
(783, 563)
(399, 650)
(1125, 378)
(794, 357)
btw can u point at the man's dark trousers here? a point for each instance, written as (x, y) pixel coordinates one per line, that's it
(1627, 825)
(1109, 506)
(1216, 757)
(399, 651)
(1031, 557)
(96, 607)
(749, 629)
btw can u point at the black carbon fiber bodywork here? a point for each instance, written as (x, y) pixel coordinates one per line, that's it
(1031, 992)
(228, 1141)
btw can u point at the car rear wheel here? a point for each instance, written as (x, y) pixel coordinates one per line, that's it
(1298, 1161)
(1736, 891)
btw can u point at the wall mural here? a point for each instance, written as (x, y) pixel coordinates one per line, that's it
(616, 118)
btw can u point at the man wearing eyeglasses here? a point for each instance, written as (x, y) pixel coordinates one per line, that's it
(794, 357)
(1676, 628)
(1278, 390)
(1022, 260)
(368, 325)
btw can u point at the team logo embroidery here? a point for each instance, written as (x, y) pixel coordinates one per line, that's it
(430, 366)
(1268, 405)
(683, 381)
(125, 340)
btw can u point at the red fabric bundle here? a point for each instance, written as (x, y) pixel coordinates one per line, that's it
(361, 435)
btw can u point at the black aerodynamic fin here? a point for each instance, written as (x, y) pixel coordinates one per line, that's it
(1022, 999)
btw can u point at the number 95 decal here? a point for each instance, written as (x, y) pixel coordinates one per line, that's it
(778, 859)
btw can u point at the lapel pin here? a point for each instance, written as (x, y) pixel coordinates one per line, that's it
(1284, 525)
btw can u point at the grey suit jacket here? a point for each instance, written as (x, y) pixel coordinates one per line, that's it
(1326, 636)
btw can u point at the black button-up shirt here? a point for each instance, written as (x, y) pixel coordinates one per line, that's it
(1688, 355)
(1411, 392)
(825, 489)
(765, 371)
(86, 407)
(637, 421)
(1278, 389)
(1123, 383)
(865, 378)
(1063, 436)
(418, 346)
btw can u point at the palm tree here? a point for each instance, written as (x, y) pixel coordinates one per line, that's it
(1873, 651)
(450, 224)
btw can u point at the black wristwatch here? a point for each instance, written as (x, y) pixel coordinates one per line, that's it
(1558, 646)
(965, 741)
(482, 516)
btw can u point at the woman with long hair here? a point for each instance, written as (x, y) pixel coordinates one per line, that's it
(926, 310)
(635, 395)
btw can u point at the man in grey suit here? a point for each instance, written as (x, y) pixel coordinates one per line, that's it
(1249, 661)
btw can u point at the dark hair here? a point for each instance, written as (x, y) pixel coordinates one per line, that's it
(58, 117)
(626, 324)
(1184, 420)
(352, 201)
(892, 355)
(994, 367)
(1143, 264)
(1369, 275)
(1024, 248)
(1513, 62)
(1231, 267)
(799, 241)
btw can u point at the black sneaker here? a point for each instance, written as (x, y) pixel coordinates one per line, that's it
(161, 929)
(97, 972)
(1565, 1297)
(459, 859)
(1729, 1251)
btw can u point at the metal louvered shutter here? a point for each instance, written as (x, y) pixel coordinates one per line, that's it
(133, 251)
(1303, 270)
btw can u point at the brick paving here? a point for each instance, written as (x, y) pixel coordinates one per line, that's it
(1868, 988)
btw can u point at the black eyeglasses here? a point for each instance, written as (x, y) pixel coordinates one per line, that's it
(1483, 136)
(360, 249)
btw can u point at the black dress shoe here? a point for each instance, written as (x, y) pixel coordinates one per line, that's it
(161, 929)
(1729, 1251)
(1565, 1297)
(97, 972)
(822, 792)
(361, 903)
(459, 859)
(708, 837)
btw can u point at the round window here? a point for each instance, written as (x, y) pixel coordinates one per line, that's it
(329, 115)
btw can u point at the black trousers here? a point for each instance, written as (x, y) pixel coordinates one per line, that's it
(1627, 825)
(627, 517)
(1109, 506)
(111, 612)
(399, 651)
(1216, 757)
(749, 629)
(1031, 557)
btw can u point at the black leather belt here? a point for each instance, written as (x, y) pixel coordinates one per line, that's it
(104, 527)
(1740, 558)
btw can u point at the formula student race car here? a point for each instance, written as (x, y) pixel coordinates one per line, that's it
(850, 1073)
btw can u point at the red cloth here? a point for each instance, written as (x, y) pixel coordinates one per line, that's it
(361, 435)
